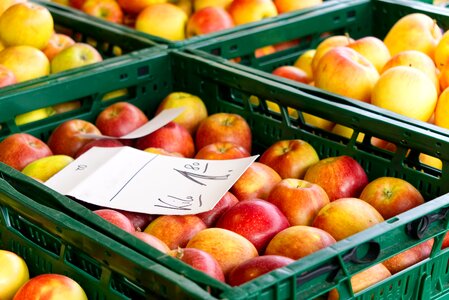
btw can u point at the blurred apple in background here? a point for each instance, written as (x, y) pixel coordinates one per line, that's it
(163, 20)
(34, 115)
(76, 3)
(115, 217)
(340, 176)
(246, 11)
(256, 182)
(134, 7)
(207, 20)
(194, 111)
(222, 150)
(256, 267)
(98, 143)
(66, 106)
(200, 260)
(171, 137)
(299, 200)
(318, 122)
(34, 22)
(75, 56)
(25, 62)
(7, 76)
(414, 31)
(292, 72)
(108, 10)
(19, 149)
(152, 241)
(328, 44)
(284, 6)
(223, 127)
(391, 196)
(13, 274)
(120, 118)
(5, 4)
(210, 217)
(56, 44)
(65, 138)
(409, 257)
(227, 247)
(50, 286)
(45, 167)
(442, 110)
(346, 216)
(373, 49)
(347, 132)
(299, 241)
(304, 62)
(406, 91)
(356, 74)
(255, 219)
(199, 4)
(441, 54)
(175, 231)
(290, 158)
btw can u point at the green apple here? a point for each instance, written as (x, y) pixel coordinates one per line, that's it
(75, 56)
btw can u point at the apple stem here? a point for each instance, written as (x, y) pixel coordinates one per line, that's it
(348, 37)
(179, 253)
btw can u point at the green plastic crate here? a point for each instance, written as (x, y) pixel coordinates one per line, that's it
(52, 242)
(112, 42)
(357, 18)
(149, 77)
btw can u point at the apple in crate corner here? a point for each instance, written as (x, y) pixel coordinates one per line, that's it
(44, 168)
(75, 56)
(115, 217)
(19, 149)
(120, 118)
(65, 138)
(256, 182)
(7, 76)
(255, 219)
(224, 127)
(210, 217)
(200, 260)
(340, 176)
(108, 10)
(222, 150)
(13, 274)
(56, 44)
(172, 137)
(207, 20)
(293, 73)
(51, 286)
(290, 158)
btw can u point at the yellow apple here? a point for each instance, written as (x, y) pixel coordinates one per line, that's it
(415, 31)
(346, 72)
(34, 115)
(44, 168)
(327, 44)
(4, 4)
(164, 20)
(304, 62)
(185, 5)
(441, 55)
(28, 24)
(347, 132)
(373, 49)
(199, 4)
(284, 6)
(246, 11)
(415, 59)
(442, 110)
(317, 121)
(25, 62)
(406, 91)
(431, 161)
(13, 274)
(75, 56)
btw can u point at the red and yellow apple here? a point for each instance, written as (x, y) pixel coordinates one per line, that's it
(246, 11)
(222, 150)
(152, 241)
(7, 76)
(284, 6)
(207, 20)
(108, 10)
(75, 56)
(292, 72)
(56, 44)
(13, 274)
(116, 218)
(373, 49)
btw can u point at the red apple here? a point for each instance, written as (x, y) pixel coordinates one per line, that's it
(346, 216)
(293, 73)
(255, 219)
(290, 158)
(210, 217)
(299, 241)
(116, 218)
(56, 44)
(152, 241)
(227, 247)
(256, 182)
(19, 149)
(7, 77)
(98, 143)
(139, 220)
(171, 137)
(50, 286)
(65, 138)
(256, 267)
(391, 196)
(207, 20)
(222, 150)
(108, 10)
(200, 260)
(409, 257)
(76, 3)
(120, 118)
(299, 200)
(224, 127)
(340, 176)
(174, 230)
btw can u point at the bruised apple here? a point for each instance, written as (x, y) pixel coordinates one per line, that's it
(210, 217)
(340, 176)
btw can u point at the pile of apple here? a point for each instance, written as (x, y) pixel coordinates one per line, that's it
(180, 19)
(286, 205)
(16, 284)
(407, 72)
(30, 48)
